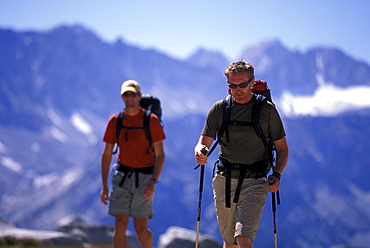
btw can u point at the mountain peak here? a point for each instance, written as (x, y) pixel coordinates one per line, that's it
(267, 44)
(75, 30)
(204, 58)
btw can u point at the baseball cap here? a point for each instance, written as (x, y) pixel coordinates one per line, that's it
(130, 85)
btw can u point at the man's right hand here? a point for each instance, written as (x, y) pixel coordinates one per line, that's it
(104, 195)
(201, 154)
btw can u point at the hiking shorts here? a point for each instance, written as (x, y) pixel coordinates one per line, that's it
(242, 218)
(128, 199)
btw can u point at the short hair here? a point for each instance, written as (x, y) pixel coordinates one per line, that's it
(240, 66)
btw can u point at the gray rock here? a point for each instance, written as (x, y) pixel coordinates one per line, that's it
(53, 238)
(78, 228)
(178, 237)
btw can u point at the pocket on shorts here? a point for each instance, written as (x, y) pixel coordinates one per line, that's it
(117, 178)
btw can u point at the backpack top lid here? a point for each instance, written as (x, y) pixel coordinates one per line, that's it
(259, 85)
(152, 104)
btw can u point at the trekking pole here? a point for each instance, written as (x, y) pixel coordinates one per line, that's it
(274, 218)
(199, 204)
(201, 179)
(274, 197)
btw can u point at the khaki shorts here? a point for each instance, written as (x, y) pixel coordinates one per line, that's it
(128, 199)
(242, 218)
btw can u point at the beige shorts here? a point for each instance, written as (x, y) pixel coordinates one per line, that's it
(242, 218)
(128, 199)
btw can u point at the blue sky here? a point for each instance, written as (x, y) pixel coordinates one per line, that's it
(179, 28)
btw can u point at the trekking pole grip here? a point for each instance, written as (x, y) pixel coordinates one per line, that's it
(204, 152)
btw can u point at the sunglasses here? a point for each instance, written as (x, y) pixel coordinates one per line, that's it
(242, 85)
(130, 94)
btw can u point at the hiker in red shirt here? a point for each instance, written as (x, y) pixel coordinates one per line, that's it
(138, 168)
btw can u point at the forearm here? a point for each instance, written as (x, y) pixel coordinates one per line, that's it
(282, 154)
(281, 160)
(159, 164)
(203, 141)
(159, 159)
(105, 166)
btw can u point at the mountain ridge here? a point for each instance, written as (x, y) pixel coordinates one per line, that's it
(49, 81)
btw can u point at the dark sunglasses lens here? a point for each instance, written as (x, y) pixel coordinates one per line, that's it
(242, 85)
(129, 94)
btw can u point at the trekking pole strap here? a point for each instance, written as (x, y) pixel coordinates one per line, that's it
(213, 147)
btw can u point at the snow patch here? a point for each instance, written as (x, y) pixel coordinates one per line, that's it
(328, 100)
(11, 164)
(71, 177)
(84, 127)
(81, 124)
(57, 134)
(54, 117)
(26, 233)
(45, 180)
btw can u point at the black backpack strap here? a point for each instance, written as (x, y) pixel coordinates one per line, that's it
(227, 187)
(146, 121)
(242, 172)
(118, 129)
(224, 126)
(226, 118)
(260, 101)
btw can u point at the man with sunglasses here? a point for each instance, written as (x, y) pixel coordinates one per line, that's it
(138, 168)
(242, 150)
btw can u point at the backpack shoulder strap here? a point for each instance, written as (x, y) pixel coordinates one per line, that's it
(146, 122)
(118, 129)
(226, 103)
(260, 101)
(226, 117)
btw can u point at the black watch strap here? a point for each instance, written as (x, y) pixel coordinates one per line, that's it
(154, 180)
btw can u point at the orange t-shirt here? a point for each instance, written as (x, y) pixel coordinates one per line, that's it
(134, 149)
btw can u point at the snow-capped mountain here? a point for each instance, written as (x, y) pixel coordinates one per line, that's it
(59, 87)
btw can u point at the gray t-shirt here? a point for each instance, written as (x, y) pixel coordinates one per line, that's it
(244, 146)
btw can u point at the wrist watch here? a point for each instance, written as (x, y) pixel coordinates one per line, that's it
(154, 180)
